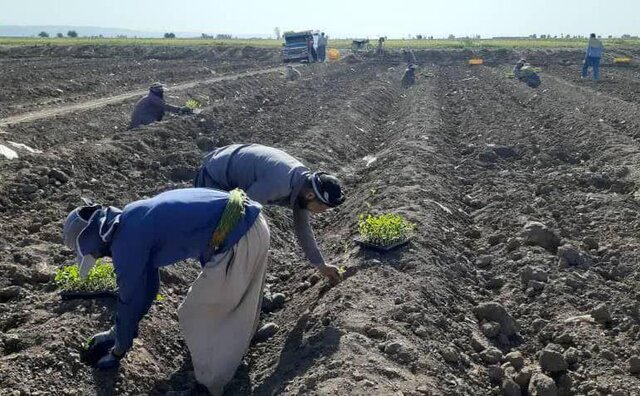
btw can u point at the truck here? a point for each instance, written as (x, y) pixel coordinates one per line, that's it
(297, 46)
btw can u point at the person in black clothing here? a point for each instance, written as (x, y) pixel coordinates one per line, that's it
(151, 108)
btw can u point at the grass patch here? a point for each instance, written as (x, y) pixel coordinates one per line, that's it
(385, 230)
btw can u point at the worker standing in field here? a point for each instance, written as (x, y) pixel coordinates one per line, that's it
(592, 57)
(409, 76)
(525, 73)
(271, 176)
(151, 108)
(322, 47)
(379, 49)
(228, 235)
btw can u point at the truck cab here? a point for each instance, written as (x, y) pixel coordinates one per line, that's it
(296, 46)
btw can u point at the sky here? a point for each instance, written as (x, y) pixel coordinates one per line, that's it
(339, 18)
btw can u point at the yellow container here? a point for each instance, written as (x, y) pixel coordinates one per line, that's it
(476, 61)
(624, 60)
(333, 54)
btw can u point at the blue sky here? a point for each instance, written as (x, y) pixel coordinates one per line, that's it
(339, 18)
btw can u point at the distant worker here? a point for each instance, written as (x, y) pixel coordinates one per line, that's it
(380, 50)
(273, 177)
(525, 73)
(151, 108)
(592, 57)
(291, 74)
(409, 76)
(322, 47)
(227, 234)
(409, 56)
(311, 46)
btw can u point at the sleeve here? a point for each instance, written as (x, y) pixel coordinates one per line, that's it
(171, 108)
(306, 239)
(130, 251)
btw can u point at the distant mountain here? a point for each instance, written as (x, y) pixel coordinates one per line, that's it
(32, 31)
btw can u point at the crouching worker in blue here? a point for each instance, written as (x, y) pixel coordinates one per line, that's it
(271, 176)
(224, 231)
(525, 73)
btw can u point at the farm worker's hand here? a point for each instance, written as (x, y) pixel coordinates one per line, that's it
(108, 361)
(97, 347)
(331, 272)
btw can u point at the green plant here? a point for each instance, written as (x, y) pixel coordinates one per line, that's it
(385, 230)
(193, 104)
(101, 278)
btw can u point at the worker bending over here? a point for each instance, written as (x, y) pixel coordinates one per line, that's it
(273, 177)
(224, 231)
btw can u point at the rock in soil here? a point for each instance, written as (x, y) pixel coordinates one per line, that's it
(541, 385)
(510, 388)
(265, 332)
(516, 359)
(491, 355)
(536, 233)
(490, 329)
(552, 361)
(601, 314)
(571, 256)
(493, 311)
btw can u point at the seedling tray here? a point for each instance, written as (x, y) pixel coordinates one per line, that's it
(88, 295)
(378, 248)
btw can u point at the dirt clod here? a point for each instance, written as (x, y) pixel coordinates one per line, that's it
(536, 233)
(493, 311)
(265, 332)
(634, 364)
(552, 361)
(602, 314)
(541, 385)
(516, 359)
(491, 355)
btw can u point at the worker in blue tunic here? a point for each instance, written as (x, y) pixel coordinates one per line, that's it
(225, 231)
(273, 177)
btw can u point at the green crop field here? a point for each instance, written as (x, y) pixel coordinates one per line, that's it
(339, 43)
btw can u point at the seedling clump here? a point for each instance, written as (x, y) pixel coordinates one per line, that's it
(193, 104)
(385, 230)
(101, 278)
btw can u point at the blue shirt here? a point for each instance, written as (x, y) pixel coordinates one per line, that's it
(160, 231)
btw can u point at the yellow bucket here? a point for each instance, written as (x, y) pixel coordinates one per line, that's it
(624, 60)
(476, 61)
(333, 54)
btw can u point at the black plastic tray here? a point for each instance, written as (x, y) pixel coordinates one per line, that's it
(382, 249)
(88, 295)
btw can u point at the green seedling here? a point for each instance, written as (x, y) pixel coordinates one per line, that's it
(385, 230)
(341, 271)
(100, 278)
(193, 104)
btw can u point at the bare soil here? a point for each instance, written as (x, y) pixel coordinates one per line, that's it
(469, 155)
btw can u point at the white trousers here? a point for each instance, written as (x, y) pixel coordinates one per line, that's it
(221, 311)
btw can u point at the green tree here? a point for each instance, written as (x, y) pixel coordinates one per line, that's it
(169, 35)
(72, 33)
(59, 35)
(43, 34)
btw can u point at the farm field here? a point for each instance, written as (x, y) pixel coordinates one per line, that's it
(525, 202)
